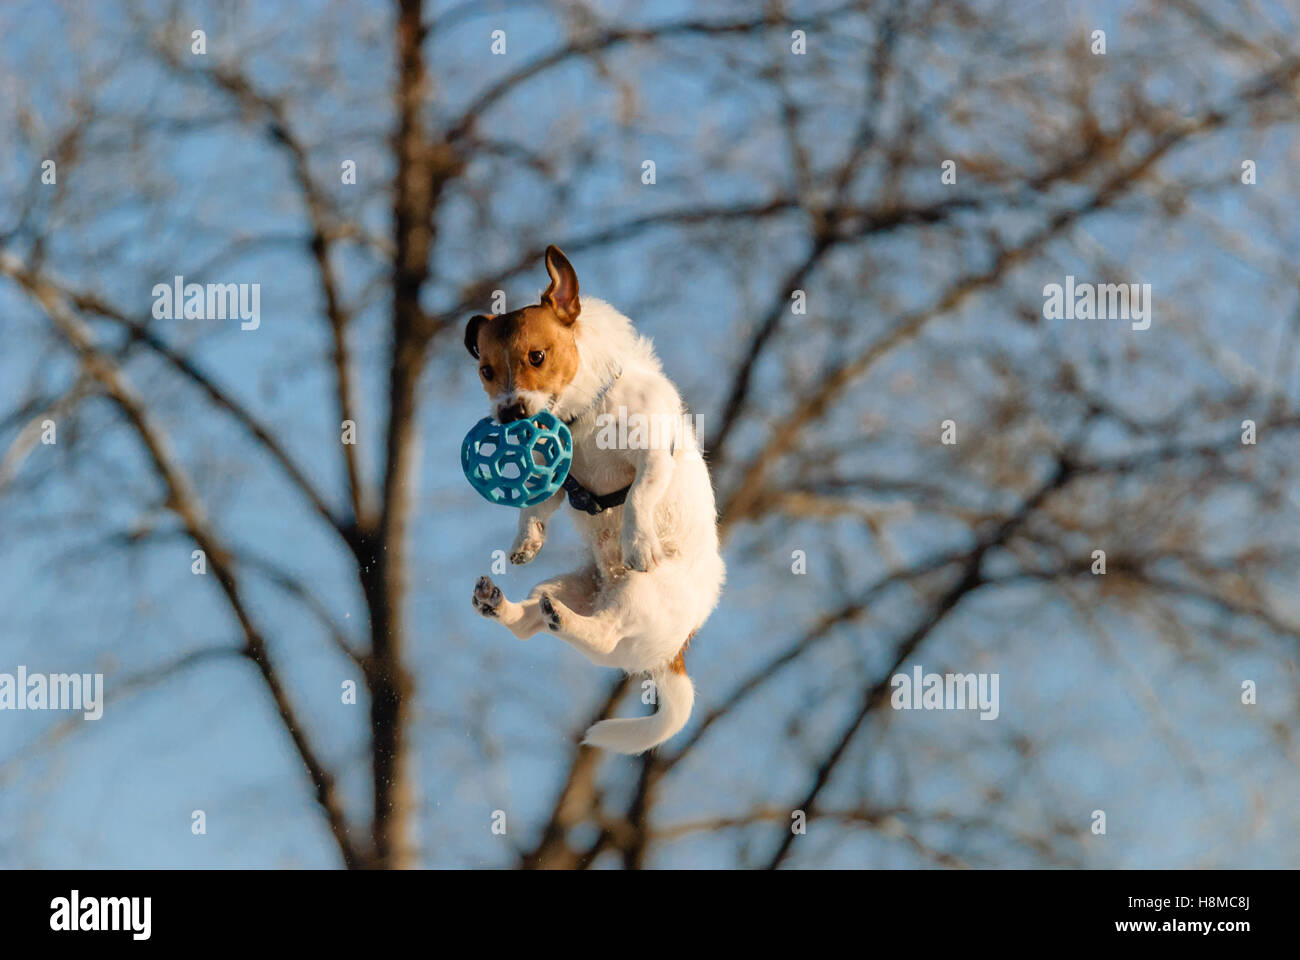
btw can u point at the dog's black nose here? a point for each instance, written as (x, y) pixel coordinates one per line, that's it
(511, 413)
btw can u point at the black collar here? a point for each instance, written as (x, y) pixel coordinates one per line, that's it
(580, 498)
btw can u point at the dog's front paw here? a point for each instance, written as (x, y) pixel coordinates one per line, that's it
(487, 597)
(642, 551)
(526, 546)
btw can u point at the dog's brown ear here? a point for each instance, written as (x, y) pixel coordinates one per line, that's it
(562, 294)
(471, 333)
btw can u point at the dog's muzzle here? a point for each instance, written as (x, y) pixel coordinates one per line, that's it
(511, 413)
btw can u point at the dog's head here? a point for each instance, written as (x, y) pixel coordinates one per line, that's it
(528, 356)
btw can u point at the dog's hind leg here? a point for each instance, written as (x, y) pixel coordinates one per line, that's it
(489, 601)
(593, 636)
(525, 619)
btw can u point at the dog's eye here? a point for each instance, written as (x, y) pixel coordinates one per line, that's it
(535, 357)
(486, 371)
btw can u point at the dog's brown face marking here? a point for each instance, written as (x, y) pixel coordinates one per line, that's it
(528, 356)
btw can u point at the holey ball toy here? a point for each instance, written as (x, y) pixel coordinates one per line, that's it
(520, 464)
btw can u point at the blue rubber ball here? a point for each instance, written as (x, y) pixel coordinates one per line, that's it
(519, 464)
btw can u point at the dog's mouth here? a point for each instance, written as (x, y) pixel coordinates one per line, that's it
(520, 410)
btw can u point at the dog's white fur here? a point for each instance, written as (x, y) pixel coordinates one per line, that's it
(656, 572)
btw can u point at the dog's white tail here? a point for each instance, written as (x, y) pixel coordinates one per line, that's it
(675, 694)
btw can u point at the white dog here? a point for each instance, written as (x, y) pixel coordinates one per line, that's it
(642, 500)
